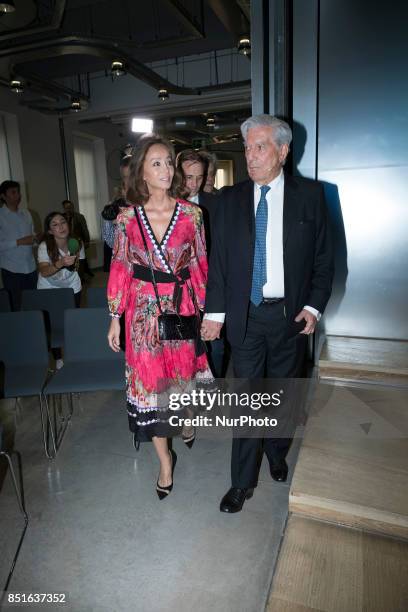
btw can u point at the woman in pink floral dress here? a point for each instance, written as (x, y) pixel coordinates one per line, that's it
(174, 233)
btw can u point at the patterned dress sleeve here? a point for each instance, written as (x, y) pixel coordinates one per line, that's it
(120, 276)
(198, 263)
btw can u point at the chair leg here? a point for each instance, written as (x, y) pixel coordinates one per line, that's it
(47, 428)
(20, 498)
(58, 424)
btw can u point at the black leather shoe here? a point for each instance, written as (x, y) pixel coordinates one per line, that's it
(279, 471)
(234, 499)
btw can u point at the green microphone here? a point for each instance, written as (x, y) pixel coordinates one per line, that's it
(73, 246)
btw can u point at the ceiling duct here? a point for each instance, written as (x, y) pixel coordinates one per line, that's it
(14, 25)
(74, 45)
(231, 16)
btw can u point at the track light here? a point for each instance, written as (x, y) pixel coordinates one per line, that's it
(16, 86)
(7, 7)
(75, 105)
(118, 68)
(244, 45)
(163, 94)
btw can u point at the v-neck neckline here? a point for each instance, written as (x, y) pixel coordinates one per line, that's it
(168, 231)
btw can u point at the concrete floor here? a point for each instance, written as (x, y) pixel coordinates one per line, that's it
(98, 531)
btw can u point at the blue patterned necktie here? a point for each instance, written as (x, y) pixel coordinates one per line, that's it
(259, 272)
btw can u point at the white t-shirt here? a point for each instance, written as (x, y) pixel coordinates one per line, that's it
(62, 279)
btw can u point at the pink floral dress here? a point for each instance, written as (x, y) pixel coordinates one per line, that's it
(156, 368)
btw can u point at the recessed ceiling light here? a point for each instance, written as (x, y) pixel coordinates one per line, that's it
(118, 68)
(16, 86)
(244, 45)
(75, 105)
(7, 7)
(163, 94)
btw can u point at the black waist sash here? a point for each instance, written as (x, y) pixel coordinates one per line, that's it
(143, 273)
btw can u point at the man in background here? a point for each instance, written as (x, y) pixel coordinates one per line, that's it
(193, 166)
(18, 268)
(111, 211)
(78, 228)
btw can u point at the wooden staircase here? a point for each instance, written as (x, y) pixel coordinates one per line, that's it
(345, 547)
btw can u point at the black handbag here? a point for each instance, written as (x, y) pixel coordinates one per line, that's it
(172, 325)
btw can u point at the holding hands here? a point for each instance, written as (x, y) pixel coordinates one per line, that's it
(210, 330)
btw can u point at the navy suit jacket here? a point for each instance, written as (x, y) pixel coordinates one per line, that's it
(307, 253)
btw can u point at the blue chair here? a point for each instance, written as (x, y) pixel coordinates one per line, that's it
(24, 353)
(53, 303)
(96, 297)
(89, 363)
(5, 305)
(19, 491)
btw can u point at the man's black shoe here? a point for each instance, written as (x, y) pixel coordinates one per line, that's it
(279, 471)
(234, 499)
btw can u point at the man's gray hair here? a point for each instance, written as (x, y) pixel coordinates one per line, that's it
(282, 134)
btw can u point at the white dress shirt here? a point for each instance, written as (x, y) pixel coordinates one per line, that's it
(14, 225)
(275, 279)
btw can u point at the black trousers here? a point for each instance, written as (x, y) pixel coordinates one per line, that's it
(15, 283)
(265, 351)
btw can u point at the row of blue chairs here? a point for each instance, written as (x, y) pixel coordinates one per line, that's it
(53, 303)
(95, 297)
(89, 364)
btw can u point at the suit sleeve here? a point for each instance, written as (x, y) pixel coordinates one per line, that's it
(323, 265)
(215, 299)
(84, 229)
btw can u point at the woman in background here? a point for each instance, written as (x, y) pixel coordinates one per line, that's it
(57, 268)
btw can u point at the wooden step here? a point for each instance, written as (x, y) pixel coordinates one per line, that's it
(352, 467)
(365, 359)
(323, 567)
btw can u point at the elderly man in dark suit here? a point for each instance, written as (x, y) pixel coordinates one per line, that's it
(270, 278)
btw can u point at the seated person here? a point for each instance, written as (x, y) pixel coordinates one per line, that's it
(57, 268)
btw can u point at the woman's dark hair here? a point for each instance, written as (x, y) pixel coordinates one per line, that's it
(138, 192)
(52, 248)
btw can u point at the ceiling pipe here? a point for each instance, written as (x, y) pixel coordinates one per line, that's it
(33, 81)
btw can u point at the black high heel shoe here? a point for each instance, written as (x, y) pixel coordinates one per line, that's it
(163, 492)
(189, 440)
